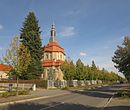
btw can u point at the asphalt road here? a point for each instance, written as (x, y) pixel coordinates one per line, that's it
(96, 99)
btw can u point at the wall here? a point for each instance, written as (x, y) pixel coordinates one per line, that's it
(3, 75)
(54, 55)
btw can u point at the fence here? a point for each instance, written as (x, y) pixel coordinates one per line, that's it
(20, 85)
(30, 84)
(71, 83)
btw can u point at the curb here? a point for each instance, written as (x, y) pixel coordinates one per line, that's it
(31, 99)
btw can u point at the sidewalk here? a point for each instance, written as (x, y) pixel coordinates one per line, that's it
(34, 95)
(119, 104)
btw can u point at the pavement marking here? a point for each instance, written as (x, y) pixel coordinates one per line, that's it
(81, 90)
(31, 99)
(52, 106)
(109, 100)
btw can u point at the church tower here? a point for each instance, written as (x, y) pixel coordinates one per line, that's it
(53, 58)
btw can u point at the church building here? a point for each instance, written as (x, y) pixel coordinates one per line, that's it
(53, 58)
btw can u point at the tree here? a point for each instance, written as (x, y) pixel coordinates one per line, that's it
(87, 72)
(94, 71)
(24, 60)
(17, 57)
(73, 70)
(69, 70)
(30, 37)
(121, 58)
(11, 56)
(102, 74)
(79, 70)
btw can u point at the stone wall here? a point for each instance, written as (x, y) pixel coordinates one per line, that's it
(71, 83)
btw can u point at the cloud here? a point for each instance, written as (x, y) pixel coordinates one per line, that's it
(83, 54)
(1, 48)
(122, 38)
(72, 12)
(68, 31)
(104, 62)
(1, 27)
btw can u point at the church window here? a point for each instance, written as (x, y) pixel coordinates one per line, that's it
(51, 56)
(46, 56)
(60, 56)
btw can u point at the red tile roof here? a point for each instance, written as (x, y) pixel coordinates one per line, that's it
(5, 67)
(53, 47)
(49, 63)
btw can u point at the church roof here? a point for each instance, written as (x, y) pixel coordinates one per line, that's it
(53, 47)
(49, 63)
(5, 67)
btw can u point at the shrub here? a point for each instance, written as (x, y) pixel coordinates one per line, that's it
(123, 93)
(24, 92)
(7, 94)
(14, 93)
(65, 88)
(41, 83)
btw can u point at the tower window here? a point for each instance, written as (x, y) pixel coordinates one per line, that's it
(61, 56)
(46, 56)
(51, 56)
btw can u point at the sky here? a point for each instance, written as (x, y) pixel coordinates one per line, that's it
(86, 29)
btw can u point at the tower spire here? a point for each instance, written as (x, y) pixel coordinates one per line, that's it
(53, 33)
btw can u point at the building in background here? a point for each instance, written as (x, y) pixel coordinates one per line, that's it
(4, 70)
(53, 58)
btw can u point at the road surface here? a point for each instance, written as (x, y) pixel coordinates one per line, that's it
(96, 99)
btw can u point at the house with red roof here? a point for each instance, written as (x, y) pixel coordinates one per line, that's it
(4, 70)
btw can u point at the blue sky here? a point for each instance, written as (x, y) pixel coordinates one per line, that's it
(87, 29)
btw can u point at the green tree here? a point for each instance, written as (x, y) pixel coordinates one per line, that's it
(72, 70)
(94, 71)
(18, 57)
(102, 74)
(121, 58)
(30, 37)
(79, 70)
(11, 59)
(86, 72)
(11, 56)
(24, 60)
(69, 70)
